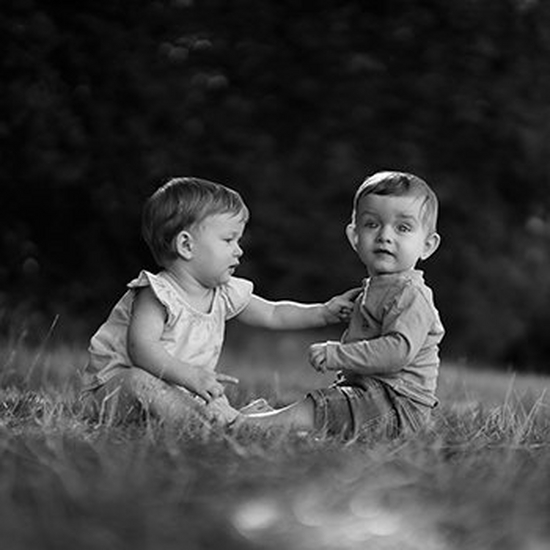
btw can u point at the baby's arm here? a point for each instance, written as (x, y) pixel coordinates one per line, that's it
(389, 353)
(293, 315)
(147, 352)
(404, 331)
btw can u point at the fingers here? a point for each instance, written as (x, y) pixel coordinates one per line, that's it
(210, 391)
(345, 311)
(205, 395)
(215, 389)
(211, 387)
(317, 357)
(352, 293)
(226, 378)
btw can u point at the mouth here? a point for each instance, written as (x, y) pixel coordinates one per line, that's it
(383, 252)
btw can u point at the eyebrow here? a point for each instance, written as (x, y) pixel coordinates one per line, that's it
(408, 217)
(367, 213)
(401, 216)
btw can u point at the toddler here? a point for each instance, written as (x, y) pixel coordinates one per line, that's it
(160, 345)
(387, 359)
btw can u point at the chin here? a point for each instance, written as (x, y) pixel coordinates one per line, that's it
(383, 270)
(223, 280)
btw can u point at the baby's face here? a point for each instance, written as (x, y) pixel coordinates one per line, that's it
(216, 249)
(388, 234)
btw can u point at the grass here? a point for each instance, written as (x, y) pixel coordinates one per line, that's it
(480, 479)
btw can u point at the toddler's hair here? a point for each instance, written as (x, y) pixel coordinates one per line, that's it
(180, 204)
(401, 184)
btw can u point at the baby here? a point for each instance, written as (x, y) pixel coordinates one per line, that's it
(159, 347)
(387, 359)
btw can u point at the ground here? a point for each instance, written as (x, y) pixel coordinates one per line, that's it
(479, 479)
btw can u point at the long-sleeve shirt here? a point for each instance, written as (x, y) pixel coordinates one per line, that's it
(393, 335)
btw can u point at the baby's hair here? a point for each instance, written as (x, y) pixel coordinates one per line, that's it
(182, 204)
(401, 184)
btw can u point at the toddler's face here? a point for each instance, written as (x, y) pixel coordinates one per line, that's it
(389, 235)
(215, 248)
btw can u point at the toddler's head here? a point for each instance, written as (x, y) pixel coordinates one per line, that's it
(401, 184)
(182, 204)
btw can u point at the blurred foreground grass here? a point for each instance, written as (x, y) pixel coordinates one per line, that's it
(479, 480)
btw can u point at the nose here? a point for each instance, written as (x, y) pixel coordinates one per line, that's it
(385, 234)
(238, 250)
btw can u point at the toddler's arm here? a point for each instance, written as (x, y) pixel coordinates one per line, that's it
(404, 330)
(388, 353)
(147, 352)
(293, 315)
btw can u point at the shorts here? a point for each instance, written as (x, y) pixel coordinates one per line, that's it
(372, 408)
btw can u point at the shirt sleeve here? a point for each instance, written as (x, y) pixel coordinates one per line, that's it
(236, 295)
(163, 292)
(405, 326)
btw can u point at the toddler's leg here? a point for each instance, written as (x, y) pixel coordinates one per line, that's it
(259, 405)
(176, 405)
(113, 401)
(164, 401)
(299, 415)
(133, 389)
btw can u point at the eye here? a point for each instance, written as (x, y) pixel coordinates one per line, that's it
(404, 228)
(370, 224)
(232, 240)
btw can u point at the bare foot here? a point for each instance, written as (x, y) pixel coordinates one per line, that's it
(256, 406)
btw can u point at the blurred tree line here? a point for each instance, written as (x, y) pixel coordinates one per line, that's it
(292, 103)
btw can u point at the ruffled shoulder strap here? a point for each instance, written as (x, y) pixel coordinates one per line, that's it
(235, 295)
(163, 291)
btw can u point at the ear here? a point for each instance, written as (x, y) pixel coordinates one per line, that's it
(431, 244)
(183, 245)
(351, 234)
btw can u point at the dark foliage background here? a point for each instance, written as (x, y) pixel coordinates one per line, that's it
(292, 103)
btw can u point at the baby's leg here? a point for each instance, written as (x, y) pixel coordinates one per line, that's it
(176, 405)
(325, 411)
(164, 401)
(113, 401)
(259, 405)
(299, 415)
(133, 389)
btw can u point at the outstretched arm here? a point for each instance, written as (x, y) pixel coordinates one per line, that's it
(147, 352)
(294, 315)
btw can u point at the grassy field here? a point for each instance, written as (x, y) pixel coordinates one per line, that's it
(480, 479)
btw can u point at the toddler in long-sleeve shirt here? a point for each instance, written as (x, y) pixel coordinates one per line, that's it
(387, 359)
(393, 336)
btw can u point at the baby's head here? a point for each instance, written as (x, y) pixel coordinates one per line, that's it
(393, 222)
(182, 204)
(400, 184)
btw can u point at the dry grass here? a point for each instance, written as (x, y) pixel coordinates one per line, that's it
(480, 479)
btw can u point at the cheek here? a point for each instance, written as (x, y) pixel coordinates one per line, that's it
(366, 241)
(419, 249)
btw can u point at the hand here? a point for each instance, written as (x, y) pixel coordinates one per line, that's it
(340, 307)
(208, 384)
(318, 357)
